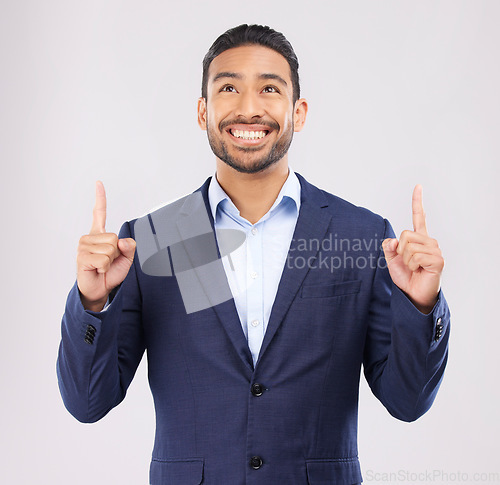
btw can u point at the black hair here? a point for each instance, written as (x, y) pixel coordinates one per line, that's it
(253, 35)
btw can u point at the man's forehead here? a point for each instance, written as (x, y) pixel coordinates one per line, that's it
(247, 61)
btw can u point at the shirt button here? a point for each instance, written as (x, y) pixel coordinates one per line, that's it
(254, 231)
(253, 275)
(256, 462)
(255, 323)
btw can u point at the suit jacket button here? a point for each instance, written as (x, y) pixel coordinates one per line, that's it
(257, 389)
(256, 462)
(89, 341)
(439, 331)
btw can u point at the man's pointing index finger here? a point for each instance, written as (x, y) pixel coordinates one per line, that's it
(418, 211)
(99, 212)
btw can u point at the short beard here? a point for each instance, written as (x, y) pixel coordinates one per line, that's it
(278, 151)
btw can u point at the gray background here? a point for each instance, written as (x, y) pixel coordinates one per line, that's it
(399, 93)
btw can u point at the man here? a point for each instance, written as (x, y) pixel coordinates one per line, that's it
(261, 386)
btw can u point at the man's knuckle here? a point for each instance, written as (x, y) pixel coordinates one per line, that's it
(108, 249)
(112, 238)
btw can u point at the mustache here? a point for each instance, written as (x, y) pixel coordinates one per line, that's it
(272, 125)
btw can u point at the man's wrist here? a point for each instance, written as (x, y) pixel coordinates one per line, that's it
(93, 306)
(425, 308)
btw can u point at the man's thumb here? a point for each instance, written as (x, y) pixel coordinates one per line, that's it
(127, 247)
(389, 246)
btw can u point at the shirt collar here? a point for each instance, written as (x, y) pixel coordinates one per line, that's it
(290, 189)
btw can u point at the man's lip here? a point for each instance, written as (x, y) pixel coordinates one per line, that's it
(254, 127)
(230, 129)
(249, 141)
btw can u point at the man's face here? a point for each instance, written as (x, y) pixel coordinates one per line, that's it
(249, 113)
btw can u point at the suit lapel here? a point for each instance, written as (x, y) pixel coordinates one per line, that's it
(225, 311)
(312, 225)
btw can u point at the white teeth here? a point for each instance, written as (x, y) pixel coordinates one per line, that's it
(248, 135)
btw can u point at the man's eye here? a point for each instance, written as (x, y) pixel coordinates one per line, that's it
(271, 89)
(227, 87)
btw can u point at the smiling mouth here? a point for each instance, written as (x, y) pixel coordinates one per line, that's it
(249, 135)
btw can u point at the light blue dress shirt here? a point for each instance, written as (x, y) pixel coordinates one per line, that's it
(259, 262)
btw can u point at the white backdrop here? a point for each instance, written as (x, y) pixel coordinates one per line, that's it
(399, 93)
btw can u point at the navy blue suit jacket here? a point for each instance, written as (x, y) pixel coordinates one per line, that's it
(336, 309)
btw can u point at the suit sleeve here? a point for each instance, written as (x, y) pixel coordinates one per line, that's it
(405, 350)
(99, 352)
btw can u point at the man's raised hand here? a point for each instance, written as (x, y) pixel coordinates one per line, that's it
(415, 262)
(103, 260)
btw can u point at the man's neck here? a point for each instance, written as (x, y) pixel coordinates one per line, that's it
(253, 194)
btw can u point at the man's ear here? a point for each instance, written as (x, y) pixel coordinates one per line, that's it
(202, 113)
(299, 115)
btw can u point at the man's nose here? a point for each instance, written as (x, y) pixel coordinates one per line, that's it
(249, 105)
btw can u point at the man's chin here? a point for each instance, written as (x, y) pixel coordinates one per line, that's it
(247, 160)
(250, 167)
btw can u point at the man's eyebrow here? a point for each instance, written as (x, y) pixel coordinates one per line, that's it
(226, 74)
(273, 76)
(235, 75)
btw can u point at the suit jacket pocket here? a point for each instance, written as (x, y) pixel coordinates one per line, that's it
(333, 289)
(187, 471)
(343, 471)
